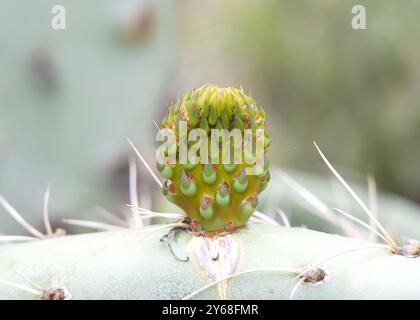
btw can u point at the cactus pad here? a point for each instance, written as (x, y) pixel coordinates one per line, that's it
(220, 196)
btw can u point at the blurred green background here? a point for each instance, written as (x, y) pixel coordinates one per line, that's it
(69, 98)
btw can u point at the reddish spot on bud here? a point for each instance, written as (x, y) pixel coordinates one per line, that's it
(241, 175)
(230, 226)
(253, 200)
(195, 225)
(206, 201)
(224, 188)
(169, 187)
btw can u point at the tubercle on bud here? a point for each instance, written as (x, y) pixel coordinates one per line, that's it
(207, 207)
(242, 177)
(240, 183)
(239, 123)
(169, 191)
(194, 117)
(225, 121)
(188, 185)
(264, 181)
(204, 124)
(229, 167)
(219, 125)
(249, 205)
(165, 170)
(223, 194)
(264, 170)
(212, 116)
(189, 166)
(223, 189)
(209, 174)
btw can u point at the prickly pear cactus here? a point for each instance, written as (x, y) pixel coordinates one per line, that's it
(217, 196)
(261, 260)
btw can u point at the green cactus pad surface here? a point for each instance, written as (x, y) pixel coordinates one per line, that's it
(116, 265)
(217, 197)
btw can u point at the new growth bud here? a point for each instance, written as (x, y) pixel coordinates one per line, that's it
(217, 196)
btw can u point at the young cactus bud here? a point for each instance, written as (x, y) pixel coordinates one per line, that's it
(207, 207)
(221, 196)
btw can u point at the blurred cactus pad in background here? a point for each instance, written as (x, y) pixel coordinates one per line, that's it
(356, 91)
(69, 99)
